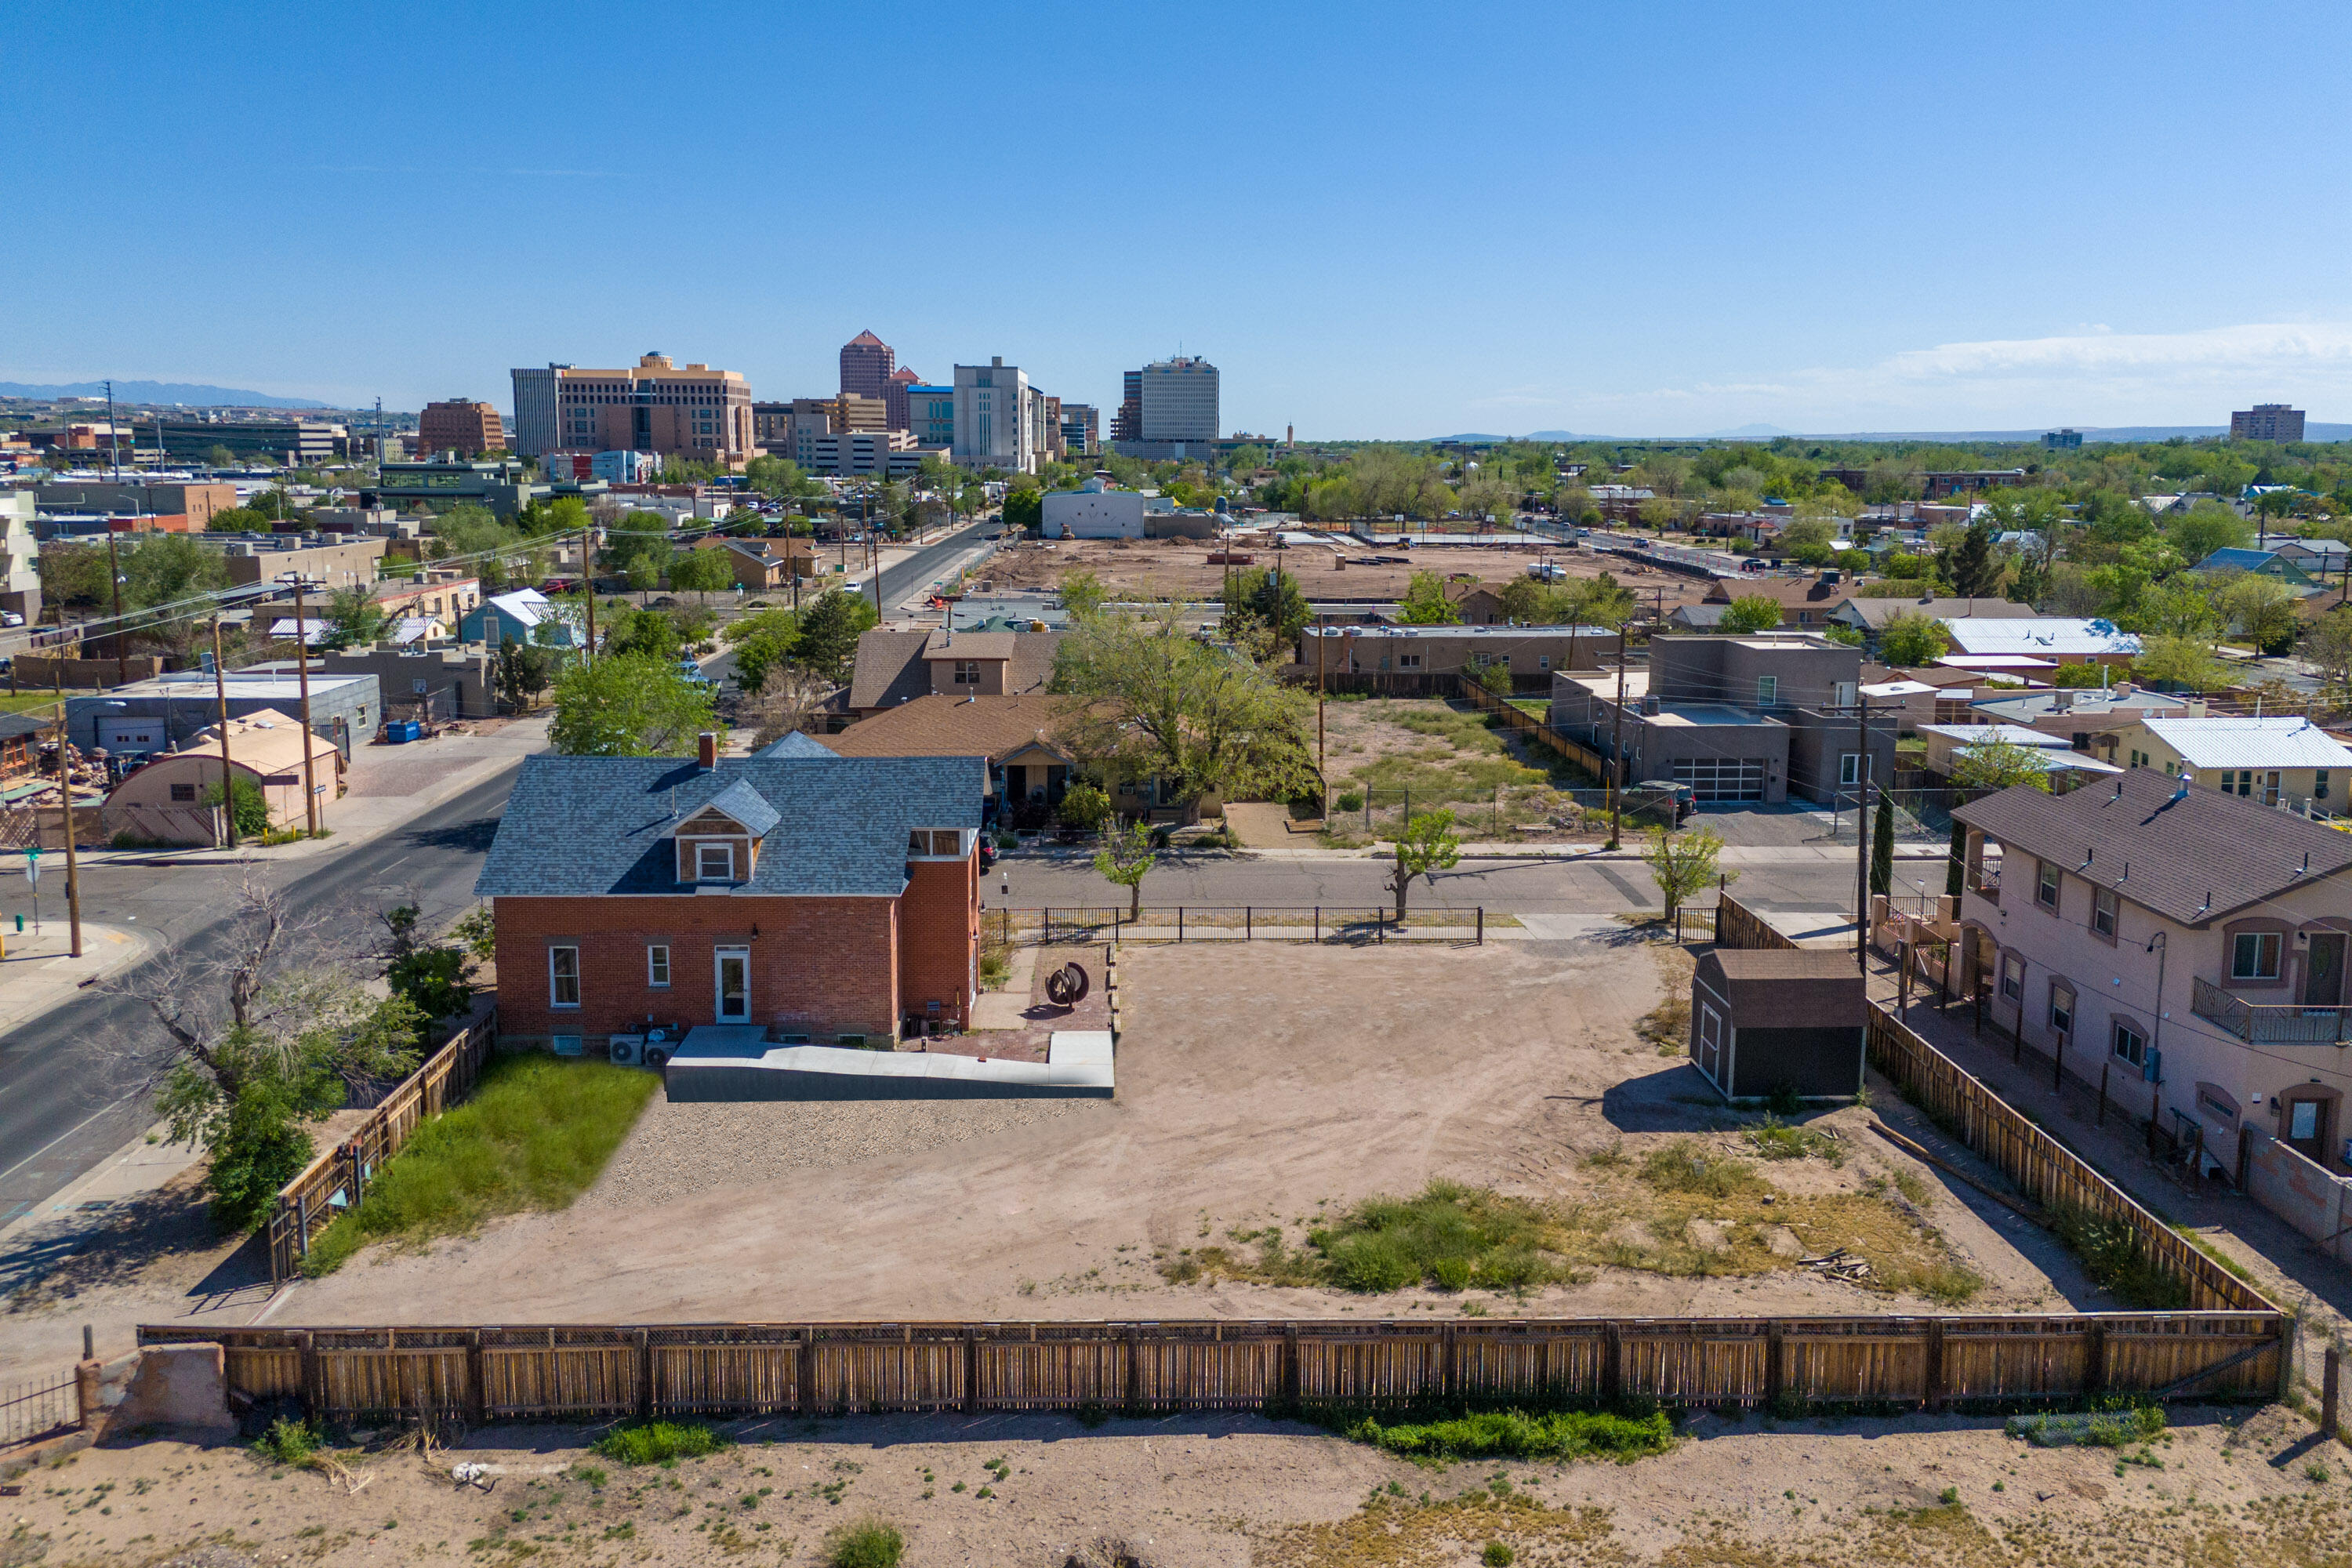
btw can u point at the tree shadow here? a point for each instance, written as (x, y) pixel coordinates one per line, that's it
(115, 1245)
(465, 837)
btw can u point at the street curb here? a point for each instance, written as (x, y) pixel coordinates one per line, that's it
(142, 945)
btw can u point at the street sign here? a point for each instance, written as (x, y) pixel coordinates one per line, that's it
(33, 866)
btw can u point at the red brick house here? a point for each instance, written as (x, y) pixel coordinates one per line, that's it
(833, 901)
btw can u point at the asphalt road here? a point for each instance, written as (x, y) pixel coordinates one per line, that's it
(898, 581)
(75, 1084)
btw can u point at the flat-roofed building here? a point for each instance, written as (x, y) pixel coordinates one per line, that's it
(2266, 422)
(462, 425)
(654, 405)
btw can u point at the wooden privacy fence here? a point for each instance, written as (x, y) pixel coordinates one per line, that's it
(2043, 1169)
(333, 1183)
(722, 1369)
(1737, 925)
(1576, 753)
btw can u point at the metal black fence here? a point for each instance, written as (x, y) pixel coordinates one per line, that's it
(1356, 924)
(32, 1411)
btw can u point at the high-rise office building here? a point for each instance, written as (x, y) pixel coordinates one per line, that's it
(654, 406)
(930, 414)
(2266, 422)
(1126, 425)
(1081, 430)
(894, 396)
(2061, 440)
(867, 362)
(996, 418)
(461, 425)
(1179, 400)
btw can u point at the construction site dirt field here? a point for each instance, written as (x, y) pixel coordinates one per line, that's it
(1180, 568)
(1258, 1089)
(2221, 1486)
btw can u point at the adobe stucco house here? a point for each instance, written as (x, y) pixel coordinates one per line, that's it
(2189, 944)
(831, 899)
(165, 800)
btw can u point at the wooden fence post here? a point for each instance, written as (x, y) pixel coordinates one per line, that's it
(644, 1359)
(971, 1372)
(2328, 1376)
(1134, 1371)
(804, 1375)
(476, 1393)
(314, 1403)
(1482, 926)
(2094, 1359)
(1451, 1371)
(1179, 923)
(1612, 1361)
(1935, 1380)
(1775, 1362)
(1290, 1367)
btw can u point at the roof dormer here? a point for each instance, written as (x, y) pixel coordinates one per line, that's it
(719, 842)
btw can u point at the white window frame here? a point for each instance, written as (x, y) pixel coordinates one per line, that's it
(2012, 978)
(2065, 1010)
(556, 978)
(2238, 946)
(702, 868)
(719, 959)
(2050, 880)
(1849, 769)
(657, 965)
(2107, 911)
(2117, 1032)
(1767, 690)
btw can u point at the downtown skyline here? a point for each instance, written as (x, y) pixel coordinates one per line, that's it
(1700, 219)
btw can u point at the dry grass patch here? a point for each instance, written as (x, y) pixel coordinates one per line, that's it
(1391, 1531)
(1683, 1209)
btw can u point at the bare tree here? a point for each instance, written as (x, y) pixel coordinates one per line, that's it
(788, 700)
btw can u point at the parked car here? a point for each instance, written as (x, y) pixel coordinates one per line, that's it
(11, 618)
(1659, 792)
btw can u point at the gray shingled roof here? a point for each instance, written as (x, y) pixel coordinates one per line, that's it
(741, 802)
(580, 826)
(2195, 859)
(797, 744)
(13, 724)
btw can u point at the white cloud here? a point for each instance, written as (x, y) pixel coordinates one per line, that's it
(2325, 346)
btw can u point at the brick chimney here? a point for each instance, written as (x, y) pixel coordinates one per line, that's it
(706, 747)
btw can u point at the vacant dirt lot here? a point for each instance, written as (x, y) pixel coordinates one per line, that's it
(1181, 567)
(2225, 1487)
(1257, 1089)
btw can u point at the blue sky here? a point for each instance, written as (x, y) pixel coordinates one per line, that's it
(1378, 220)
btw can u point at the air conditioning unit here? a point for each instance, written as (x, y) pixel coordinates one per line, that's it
(658, 1048)
(627, 1050)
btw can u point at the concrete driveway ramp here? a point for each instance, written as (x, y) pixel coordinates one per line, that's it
(723, 1068)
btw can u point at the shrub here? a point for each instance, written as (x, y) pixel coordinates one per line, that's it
(1084, 808)
(868, 1543)
(1497, 1555)
(659, 1441)
(1516, 1434)
(2111, 1256)
(290, 1442)
(1682, 1166)
(1350, 800)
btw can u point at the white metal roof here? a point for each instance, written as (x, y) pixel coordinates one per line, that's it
(2251, 743)
(1985, 734)
(1982, 634)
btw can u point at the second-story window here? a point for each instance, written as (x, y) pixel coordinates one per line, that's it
(2254, 955)
(2104, 907)
(967, 672)
(714, 862)
(1767, 690)
(2045, 885)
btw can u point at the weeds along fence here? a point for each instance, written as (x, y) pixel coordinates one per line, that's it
(1576, 755)
(2043, 1169)
(579, 1371)
(1353, 923)
(333, 1183)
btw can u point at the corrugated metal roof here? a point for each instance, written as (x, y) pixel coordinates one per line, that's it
(1982, 634)
(2251, 743)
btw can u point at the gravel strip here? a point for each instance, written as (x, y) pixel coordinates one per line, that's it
(677, 1150)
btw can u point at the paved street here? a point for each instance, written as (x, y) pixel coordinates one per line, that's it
(75, 1083)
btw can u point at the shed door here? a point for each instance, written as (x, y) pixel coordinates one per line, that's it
(1710, 1042)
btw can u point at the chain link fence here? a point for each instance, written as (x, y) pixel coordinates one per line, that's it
(1504, 814)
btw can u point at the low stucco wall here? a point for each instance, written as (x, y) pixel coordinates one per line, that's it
(2297, 1190)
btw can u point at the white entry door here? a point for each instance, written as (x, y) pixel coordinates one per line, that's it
(733, 979)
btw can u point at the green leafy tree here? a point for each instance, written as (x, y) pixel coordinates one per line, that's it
(1024, 509)
(2205, 528)
(1684, 863)
(1910, 640)
(238, 520)
(628, 705)
(829, 630)
(219, 457)
(2081, 674)
(2261, 610)
(700, 571)
(637, 544)
(250, 815)
(1082, 593)
(1427, 845)
(1126, 856)
(477, 933)
(1163, 704)
(524, 670)
(1084, 807)
(1751, 613)
(1955, 860)
(1882, 846)
(354, 619)
(2176, 662)
(430, 976)
(762, 643)
(1996, 765)
(1424, 603)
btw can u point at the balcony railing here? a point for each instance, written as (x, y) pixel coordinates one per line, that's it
(2271, 1023)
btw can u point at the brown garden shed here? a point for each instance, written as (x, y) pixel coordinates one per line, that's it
(1765, 1020)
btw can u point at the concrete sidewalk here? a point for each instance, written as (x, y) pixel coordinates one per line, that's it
(1732, 855)
(41, 970)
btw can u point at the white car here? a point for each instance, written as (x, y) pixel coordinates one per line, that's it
(11, 618)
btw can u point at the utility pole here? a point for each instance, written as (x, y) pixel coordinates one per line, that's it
(114, 576)
(1320, 688)
(114, 437)
(1862, 783)
(302, 663)
(220, 693)
(1616, 738)
(64, 794)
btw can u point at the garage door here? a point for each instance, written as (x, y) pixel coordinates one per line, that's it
(1722, 778)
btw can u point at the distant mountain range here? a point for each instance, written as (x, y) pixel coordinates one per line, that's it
(194, 394)
(2091, 432)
